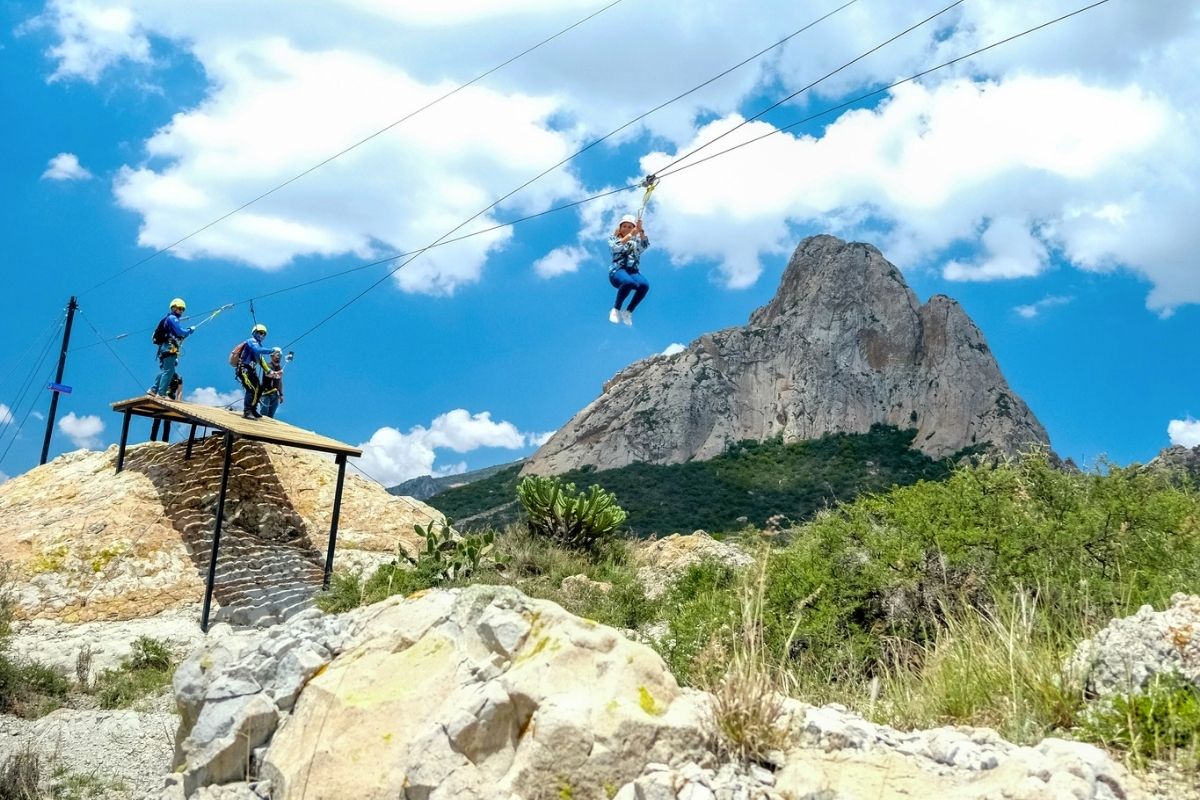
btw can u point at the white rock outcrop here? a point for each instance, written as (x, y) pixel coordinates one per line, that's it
(1128, 653)
(485, 694)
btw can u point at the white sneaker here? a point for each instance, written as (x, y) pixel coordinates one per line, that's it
(613, 317)
(627, 317)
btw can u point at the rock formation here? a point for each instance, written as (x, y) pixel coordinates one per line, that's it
(485, 694)
(843, 345)
(85, 543)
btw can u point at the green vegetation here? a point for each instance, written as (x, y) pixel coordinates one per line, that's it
(21, 775)
(755, 480)
(578, 520)
(27, 688)
(146, 671)
(1161, 723)
(950, 601)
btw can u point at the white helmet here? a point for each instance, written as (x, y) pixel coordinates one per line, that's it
(630, 218)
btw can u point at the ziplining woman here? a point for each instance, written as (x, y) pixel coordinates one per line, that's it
(627, 243)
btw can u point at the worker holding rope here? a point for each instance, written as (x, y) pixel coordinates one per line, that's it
(246, 359)
(169, 336)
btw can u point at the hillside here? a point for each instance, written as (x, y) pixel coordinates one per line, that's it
(751, 480)
(423, 487)
(843, 345)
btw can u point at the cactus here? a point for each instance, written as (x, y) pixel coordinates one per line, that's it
(580, 520)
(449, 556)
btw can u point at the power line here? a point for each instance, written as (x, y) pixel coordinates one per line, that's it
(6, 426)
(876, 92)
(359, 143)
(54, 322)
(24, 419)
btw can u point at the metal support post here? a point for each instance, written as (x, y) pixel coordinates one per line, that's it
(333, 522)
(191, 441)
(124, 440)
(216, 538)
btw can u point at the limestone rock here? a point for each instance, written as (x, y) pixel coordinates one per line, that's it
(1178, 461)
(481, 693)
(1124, 656)
(88, 544)
(843, 345)
(661, 561)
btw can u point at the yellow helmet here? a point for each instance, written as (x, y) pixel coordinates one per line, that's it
(259, 328)
(178, 303)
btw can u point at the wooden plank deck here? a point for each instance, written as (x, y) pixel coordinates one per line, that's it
(263, 430)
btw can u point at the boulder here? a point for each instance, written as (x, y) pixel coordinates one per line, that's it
(1128, 653)
(661, 561)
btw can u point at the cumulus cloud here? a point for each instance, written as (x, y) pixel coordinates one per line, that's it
(5, 414)
(1032, 310)
(1054, 146)
(210, 396)
(673, 348)
(393, 456)
(1184, 432)
(538, 439)
(65, 167)
(560, 261)
(84, 432)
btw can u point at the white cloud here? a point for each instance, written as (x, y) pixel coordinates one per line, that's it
(1034, 309)
(4, 478)
(538, 439)
(84, 432)
(39, 416)
(5, 414)
(392, 456)
(210, 396)
(1056, 144)
(560, 261)
(1184, 432)
(673, 348)
(65, 167)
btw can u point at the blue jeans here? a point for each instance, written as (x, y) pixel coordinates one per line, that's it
(166, 372)
(269, 404)
(626, 282)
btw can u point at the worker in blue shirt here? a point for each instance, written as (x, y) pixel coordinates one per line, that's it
(169, 336)
(253, 356)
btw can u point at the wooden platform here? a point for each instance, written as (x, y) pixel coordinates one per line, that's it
(233, 425)
(268, 430)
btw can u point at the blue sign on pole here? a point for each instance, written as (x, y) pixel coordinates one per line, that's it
(61, 388)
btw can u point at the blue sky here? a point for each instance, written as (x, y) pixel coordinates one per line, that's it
(1051, 187)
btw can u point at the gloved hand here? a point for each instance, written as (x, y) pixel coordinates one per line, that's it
(191, 330)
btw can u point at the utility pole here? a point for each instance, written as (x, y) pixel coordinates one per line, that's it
(57, 387)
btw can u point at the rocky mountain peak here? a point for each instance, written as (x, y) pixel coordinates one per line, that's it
(844, 344)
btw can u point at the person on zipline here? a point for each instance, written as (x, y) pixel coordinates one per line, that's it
(248, 357)
(169, 336)
(272, 385)
(627, 244)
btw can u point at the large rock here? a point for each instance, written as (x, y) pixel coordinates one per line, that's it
(86, 543)
(1128, 653)
(662, 561)
(843, 345)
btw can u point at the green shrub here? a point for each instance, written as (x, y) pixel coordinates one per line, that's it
(144, 672)
(1162, 722)
(573, 519)
(21, 775)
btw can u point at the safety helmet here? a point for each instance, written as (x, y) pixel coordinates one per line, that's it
(178, 303)
(630, 218)
(259, 328)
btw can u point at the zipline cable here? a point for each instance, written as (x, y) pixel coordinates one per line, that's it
(449, 233)
(139, 383)
(346, 150)
(637, 185)
(445, 241)
(823, 78)
(881, 90)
